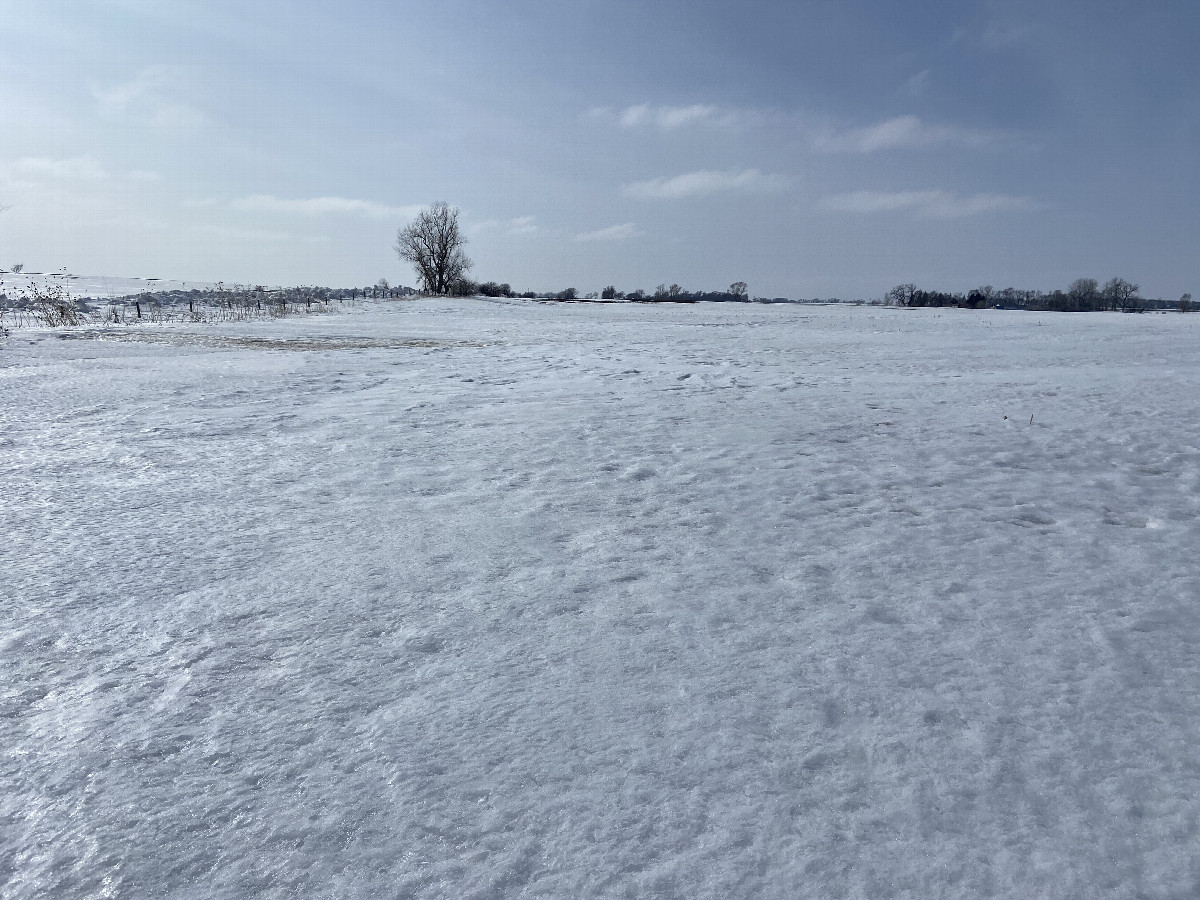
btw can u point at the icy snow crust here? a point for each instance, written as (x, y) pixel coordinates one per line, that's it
(472, 599)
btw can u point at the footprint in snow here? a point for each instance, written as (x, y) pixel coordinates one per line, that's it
(424, 643)
(1128, 520)
(1033, 517)
(640, 473)
(883, 615)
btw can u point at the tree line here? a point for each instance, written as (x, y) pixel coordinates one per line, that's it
(674, 293)
(1082, 295)
(433, 243)
(735, 293)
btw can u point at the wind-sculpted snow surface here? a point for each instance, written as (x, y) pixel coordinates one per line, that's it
(518, 600)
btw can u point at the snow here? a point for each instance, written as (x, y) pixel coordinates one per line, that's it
(500, 599)
(93, 286)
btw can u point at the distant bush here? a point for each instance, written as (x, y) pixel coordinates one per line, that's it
(52, 305)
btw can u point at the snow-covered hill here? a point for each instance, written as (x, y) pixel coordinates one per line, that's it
(93, 286)
(483, 599)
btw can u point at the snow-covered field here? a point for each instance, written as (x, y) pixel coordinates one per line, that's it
(491, 599)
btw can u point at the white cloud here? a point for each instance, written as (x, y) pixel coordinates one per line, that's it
(668, 116)
(695, 184)
(248, 236)
(610, 234)
(522, 225)
(902, 132)
(934, 204)
(315, 206)
(152, 98)
(519, 225)
(119, 97)
(32, 168)
(644, 115)
(915, 86)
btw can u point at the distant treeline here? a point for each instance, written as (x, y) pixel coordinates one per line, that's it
(464, 287)
(736, 293)
(1082, 295)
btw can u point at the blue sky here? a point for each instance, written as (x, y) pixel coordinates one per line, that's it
(809, 148)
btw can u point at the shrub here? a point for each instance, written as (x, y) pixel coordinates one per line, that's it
(51, 305)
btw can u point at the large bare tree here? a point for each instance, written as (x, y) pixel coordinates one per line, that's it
(1121, 294)
(1083, 293)
(433, 243)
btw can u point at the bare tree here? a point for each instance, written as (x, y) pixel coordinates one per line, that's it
(1120, 294)
(1011, 297)
(740, 290)
(901, 294)
(433, 243)
(1083, 293)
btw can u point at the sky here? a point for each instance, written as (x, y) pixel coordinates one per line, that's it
(812, 149)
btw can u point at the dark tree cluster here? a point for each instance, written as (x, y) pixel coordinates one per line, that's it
(736, 293)
(465, 287)
(1082, 295)
(911, 295)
